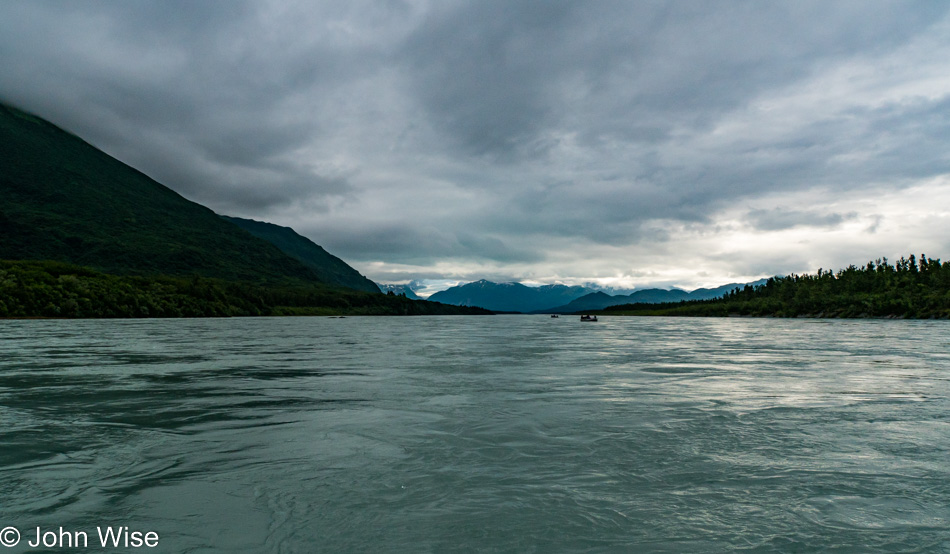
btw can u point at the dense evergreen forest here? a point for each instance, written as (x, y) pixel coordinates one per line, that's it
(55, 289)
(909, 288)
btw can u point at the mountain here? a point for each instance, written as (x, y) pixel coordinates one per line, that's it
(327, 267)
(399, 290)
(508, 297)
(599, 300)
(515, 297)
(67, 201)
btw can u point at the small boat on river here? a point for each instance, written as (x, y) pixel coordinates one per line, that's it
(588, 318)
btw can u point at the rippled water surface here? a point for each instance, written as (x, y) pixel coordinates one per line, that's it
(493, 434)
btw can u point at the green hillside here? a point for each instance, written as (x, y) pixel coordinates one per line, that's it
(327, 267)
(64, 200)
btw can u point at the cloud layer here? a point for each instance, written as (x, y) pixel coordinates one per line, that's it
(625, 143)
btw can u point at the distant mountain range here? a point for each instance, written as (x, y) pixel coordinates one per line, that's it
(508, 297)
(599, 300)
(515, 297)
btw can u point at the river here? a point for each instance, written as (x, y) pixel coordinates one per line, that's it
(477, 433)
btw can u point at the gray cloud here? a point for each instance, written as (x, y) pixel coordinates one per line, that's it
(498, 132)
(780, 218)
(420, 243)
(497, 75)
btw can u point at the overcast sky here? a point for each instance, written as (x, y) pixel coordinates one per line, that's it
(684, 143)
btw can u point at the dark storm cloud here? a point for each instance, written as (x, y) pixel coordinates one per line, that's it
(508, 83)
(498, 130)
(190, 92)
(484, 72)
(498, 75)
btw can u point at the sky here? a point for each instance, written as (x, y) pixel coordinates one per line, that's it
(624, 144)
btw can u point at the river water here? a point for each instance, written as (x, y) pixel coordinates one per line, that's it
(488, 434)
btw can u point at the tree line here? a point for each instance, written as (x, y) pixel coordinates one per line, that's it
(909, 288)
(55, 289)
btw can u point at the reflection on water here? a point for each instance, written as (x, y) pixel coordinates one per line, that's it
(506, 433)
